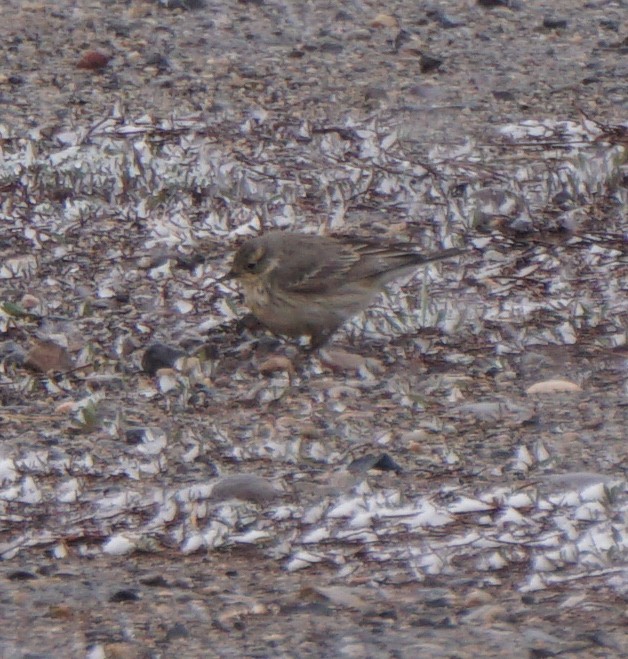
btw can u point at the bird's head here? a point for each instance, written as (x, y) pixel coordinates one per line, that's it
(251, 260)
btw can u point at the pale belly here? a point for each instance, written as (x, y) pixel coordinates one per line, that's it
(301, 315)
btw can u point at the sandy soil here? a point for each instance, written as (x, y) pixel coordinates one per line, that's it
(272, 85)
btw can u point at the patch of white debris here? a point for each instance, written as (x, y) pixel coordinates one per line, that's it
(548, 527)
(567, 524)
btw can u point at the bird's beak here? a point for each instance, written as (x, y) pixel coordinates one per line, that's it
(228, 277)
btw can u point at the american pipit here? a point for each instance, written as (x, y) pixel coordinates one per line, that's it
(299, 284)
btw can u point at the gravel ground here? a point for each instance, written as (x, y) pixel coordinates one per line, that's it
(353, 117)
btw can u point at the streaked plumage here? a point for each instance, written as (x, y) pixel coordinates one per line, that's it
(300, 284)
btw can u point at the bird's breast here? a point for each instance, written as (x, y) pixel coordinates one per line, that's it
(256, 296)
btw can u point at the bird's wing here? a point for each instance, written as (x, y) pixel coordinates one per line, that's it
(319, 268)
(325, 265)
(384, 262)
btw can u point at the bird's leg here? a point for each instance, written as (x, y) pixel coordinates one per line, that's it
(319, 338)
(248, 322)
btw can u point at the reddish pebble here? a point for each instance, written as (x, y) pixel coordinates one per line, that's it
(93, 60)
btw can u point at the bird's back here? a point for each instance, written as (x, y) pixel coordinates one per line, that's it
(319, 264)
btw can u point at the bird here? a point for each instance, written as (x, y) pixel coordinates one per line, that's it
(299, 284)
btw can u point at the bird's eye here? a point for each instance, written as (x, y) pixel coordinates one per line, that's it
(251, 265)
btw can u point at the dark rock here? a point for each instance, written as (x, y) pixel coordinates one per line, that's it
(21, 575)
(443, 19)
(158, 60)
(403, 37)
(554, 23)
(183, 4)
(563, 200)
(509, 4)
(503, 95)
(155, 581)
(610, 24)
(125, 595)
(159, 356)
(135, 436)
(383, 462)
(430, 63)
(375, 93)
(331, 47)
(177, 631)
